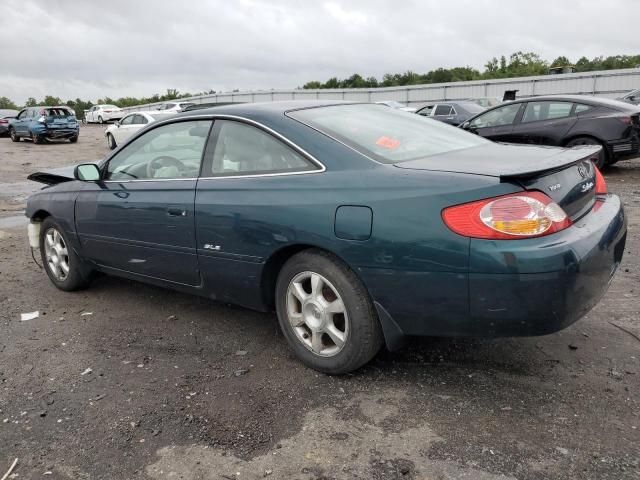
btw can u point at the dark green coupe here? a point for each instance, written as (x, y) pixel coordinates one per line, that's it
(358, 224)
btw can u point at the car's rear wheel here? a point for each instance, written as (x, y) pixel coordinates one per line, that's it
(111, 141)
(63, 266)
(602, 156)
(100, 120)
(326, 313)
(14, 136)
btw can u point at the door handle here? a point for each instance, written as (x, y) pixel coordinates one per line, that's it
(176, 212)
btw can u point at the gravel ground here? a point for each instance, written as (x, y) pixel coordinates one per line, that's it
(126, 381)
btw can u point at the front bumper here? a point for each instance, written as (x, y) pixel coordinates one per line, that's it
(625, 148)
(513, 288)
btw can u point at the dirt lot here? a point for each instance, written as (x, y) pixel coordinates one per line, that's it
(184, 388)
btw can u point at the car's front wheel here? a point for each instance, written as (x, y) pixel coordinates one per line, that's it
(14, 136)
(602, 156)
(100, 120)
(111, 142)
(63, 266)
(326, 313)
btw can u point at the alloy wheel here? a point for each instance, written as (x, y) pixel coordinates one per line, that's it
(317, 314)
(56, 254)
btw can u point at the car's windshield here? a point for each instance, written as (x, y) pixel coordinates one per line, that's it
(385, 134)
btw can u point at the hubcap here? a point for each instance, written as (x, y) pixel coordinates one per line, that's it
(317, 314)
(56, 254)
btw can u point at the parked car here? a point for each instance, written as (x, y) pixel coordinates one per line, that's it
(397, 105)
(486, 102)
(5, 116)
(175, 106)
(40, 124)
(453, 113)
(102, 114)
(565, 120)
(131, 123)
(358, 224)
(632, 97)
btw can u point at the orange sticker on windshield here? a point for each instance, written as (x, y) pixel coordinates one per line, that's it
(388, 142)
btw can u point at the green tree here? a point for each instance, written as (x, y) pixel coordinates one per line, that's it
(561, 61)
(31, 102)
(50, 101)
(5, 103)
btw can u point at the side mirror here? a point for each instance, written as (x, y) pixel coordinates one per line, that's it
(86, 172)
(117, 123)
(466, 125)
(632, 98)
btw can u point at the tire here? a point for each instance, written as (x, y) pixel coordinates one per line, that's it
(100, 120)
(14, 136)
(73, 139)
(602, 157)
(37, 138)
(111, 142)
(54, 243)
(332, 343)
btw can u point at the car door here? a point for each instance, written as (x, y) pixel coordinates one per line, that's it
(19, 122)
(496, 124)
(139, 218)
(125, 129)
(544, 123)
(242, 207)
(91, 114)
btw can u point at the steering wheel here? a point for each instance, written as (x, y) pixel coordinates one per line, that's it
(164, 161)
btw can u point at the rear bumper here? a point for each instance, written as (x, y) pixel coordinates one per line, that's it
(55, 132)
(513, 288)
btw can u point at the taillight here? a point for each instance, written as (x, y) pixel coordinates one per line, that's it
(601, 185)
(3, 121)
(509, 217)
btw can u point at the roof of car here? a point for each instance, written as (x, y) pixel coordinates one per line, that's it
(278, 107)
(586, 99)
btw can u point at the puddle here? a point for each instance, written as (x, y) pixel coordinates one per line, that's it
(18, 191)
(11, 222)
(368, 442)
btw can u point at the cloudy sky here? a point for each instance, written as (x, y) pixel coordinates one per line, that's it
(92, 49)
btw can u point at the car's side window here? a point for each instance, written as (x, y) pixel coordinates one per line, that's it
(581, 107)
(496, 118)
(140, 120)
(128, 120)
(22, 115)
(443, 110)
(537, 111)
(245, 149)
(171, 151)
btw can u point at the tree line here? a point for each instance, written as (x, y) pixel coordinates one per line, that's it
(79, 105)
(519, 64)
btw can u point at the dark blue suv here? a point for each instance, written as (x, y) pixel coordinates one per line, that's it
(45, 123)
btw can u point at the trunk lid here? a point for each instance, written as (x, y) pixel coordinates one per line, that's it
(567, 176)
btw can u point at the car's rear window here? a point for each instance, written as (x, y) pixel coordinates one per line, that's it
(109, 106)
(384, 134)
(57, 112)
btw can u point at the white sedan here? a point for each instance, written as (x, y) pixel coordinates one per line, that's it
(118, 133)
(102, 114)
